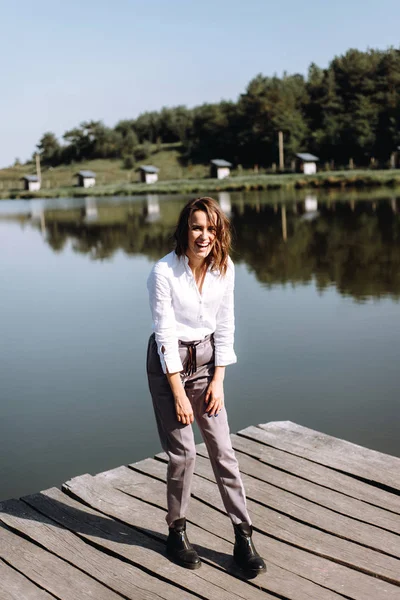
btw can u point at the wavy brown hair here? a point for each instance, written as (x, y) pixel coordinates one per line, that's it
(218, 257)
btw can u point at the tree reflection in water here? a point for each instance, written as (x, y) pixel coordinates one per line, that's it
(353, 245)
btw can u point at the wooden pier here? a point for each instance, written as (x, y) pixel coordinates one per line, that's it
(326, 515)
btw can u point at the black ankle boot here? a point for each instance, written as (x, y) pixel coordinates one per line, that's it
(179, 548)
(244, 553)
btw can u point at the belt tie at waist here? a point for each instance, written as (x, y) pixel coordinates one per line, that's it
(191, 366)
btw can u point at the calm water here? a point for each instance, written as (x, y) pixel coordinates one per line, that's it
(317, 310)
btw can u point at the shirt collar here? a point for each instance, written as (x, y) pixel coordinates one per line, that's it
(186, 263)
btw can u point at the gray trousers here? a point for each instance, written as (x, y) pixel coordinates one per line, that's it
(177, 439)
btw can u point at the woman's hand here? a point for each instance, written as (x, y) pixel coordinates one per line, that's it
(215, 392)
(183, 408)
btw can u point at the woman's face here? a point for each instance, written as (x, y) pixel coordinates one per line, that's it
(201, 236)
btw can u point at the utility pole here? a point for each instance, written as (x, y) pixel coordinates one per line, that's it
(281, 159)
(38, 173)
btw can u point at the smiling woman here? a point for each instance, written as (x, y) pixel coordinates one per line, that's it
(191, 299)
(201, 237)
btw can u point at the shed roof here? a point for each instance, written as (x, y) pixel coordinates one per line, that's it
(149, 169)
(30, 178)
(307, 157)
(220, 162)
(86, 174)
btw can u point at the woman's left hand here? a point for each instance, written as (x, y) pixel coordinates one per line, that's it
(215, 397)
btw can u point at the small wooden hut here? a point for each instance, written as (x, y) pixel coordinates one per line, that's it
(31, 183)
(148, 174)
(220, 168)
(86, 179)
(307, 163)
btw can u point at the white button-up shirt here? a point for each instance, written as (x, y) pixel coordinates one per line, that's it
(180, 312)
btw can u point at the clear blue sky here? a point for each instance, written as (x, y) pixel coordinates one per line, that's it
(65, 62)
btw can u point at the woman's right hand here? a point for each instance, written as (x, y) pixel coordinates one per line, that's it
(183, 408)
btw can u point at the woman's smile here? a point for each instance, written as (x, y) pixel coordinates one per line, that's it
(201, 236)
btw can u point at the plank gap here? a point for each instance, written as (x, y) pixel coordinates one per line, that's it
(5, 561)
(43, 547)
(271, 465)
(327, 556)
(313, 501)
(75, 497)
(375, 484)
(340, 594)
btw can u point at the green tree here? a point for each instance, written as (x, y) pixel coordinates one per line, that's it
(270, 105)
(355, 79)
(49, 149)
(388, 102)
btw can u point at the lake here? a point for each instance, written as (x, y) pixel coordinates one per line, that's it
(317, 324)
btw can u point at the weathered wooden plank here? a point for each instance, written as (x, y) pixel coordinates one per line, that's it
(275, 524)
(137, 545)
(119, 576)
(50, 572)
(319, 494)
(14, 586)
(329, 574)
(335, 453)
(128, 509)
(315, 507)
(253, 441)
(143, 487)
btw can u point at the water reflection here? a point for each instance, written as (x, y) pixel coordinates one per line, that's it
(152, 211)
(90, 212)
(37, 215)
(224, 199)
(310, 208)
(351, 244)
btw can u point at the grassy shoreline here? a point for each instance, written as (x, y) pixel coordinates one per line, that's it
(334, 179)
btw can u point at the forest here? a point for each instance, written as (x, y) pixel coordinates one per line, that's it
(347, 112)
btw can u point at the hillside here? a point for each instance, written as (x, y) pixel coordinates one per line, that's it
(176, 176)
(167, 157)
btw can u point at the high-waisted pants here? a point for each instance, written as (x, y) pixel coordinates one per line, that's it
(177, 439)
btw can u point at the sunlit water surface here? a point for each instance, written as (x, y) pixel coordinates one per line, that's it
(317, 325)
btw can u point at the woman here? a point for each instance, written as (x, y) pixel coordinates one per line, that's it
(191, 299)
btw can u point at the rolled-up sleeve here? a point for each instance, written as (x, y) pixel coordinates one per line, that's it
(225, 326)
(164, 325)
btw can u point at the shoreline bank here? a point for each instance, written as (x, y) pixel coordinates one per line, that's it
(332, 179)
